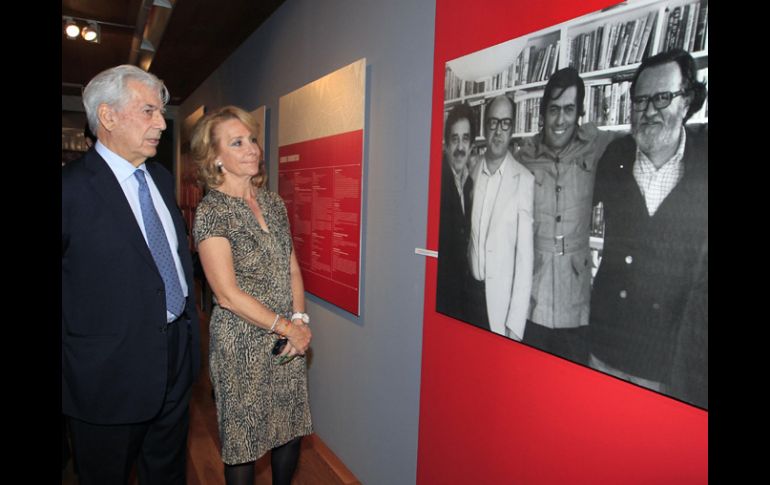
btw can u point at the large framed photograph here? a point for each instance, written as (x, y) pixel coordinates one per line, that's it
(574, 193)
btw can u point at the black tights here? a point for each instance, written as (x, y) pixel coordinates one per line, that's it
(242, 474)
(283, 461)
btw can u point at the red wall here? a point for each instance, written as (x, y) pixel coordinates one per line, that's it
(495, 411)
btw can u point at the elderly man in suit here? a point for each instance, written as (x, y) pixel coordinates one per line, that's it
(649, 307)
(130, 332)
(501, 243)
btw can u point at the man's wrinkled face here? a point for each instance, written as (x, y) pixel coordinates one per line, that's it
(500, 115)
(653, 127)
(138, 123)
(458, 147)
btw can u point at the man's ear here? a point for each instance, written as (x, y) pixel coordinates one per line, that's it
(688, 99)
(107, 116)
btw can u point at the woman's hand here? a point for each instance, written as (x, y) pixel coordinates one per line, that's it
(288, 352)
(299, 336)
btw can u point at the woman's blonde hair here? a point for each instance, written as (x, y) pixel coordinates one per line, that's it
(203, 145)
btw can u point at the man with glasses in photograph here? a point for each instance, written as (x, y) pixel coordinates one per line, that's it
(649, 305)
(500, 251)
(563, 156)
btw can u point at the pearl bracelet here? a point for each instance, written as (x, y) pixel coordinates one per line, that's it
(277, 317)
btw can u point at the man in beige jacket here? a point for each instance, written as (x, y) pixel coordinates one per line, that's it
(500, 252)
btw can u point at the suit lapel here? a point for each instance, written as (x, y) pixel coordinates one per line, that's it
(105, 184)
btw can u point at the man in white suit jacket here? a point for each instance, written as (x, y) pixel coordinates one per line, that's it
(501, 249)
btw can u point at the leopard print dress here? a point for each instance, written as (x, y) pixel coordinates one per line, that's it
(260, 403)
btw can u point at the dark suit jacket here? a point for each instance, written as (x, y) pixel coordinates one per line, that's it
(114, 347)
(454, 229)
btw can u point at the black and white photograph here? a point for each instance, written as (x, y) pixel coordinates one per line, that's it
(574, 193)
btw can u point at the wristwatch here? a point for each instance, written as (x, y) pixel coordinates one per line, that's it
(302, 316)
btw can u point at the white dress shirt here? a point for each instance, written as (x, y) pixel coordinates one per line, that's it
(656, 183)
(486, 191)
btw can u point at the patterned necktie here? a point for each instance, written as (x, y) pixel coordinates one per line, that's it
(161, 253)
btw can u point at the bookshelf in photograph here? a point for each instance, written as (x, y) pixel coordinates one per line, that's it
(606, 47)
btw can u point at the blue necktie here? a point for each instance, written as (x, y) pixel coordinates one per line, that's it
(161, 253)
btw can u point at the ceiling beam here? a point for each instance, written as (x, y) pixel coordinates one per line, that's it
(151, 23)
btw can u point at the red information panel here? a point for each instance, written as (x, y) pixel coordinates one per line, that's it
(320, 182)
(320, 167)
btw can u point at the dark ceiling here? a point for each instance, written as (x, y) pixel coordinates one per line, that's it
(194, 40)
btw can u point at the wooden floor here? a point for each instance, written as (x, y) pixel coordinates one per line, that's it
(317, 464)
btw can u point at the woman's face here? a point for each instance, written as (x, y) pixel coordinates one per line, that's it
(237, 149)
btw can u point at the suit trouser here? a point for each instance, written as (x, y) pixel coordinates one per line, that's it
(105, 454)
(569, 343)
(476, 310)
(602, 366)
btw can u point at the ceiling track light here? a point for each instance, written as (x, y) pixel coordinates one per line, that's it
(71, 29)
(91, 32)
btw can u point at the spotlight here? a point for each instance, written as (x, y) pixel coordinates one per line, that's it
(91, 32)
(71, 29)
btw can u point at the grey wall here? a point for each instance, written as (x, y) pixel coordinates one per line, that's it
(365, 372)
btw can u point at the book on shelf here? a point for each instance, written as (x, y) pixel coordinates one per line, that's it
(701, 29)
(686, 27)
(689, 38)
(476, 107)
(524, 71)
(608, 100)
(625, 32)
(634, 36)
(527, 111)
(672, 27)
(612, 44)
(644, 42)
